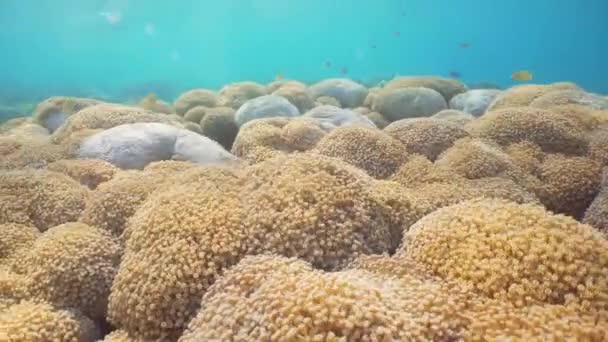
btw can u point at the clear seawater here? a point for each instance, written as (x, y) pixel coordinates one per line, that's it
(67, 47)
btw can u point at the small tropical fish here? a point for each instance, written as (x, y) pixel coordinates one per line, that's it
(279, 77)
(344, 70)
(112, 18)
(455, 74)
(327, 64)
(373, 46)
(522, 75)
(465, 45)
(397, 33)
(149, 29)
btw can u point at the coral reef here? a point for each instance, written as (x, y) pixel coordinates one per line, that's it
(341, 213)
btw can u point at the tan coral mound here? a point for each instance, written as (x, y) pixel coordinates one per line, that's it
(88, 172)
(70, 266)
(518, 253)
(195, 114)
(219, 125)
(177, 244)
(426, 136)
(448, 88)
(14, 237)
(500, 321)
(40, 198)
(569, 183)
(402, 208)
(553, 132)
(456, 116)
(18, 152)
(523, 95)
(259, 138)
(314, 207)
(104, 116)
(193, 98)
(52, 112)
(115, 201)
(152, 103)
(596, 214)
(255, 300)
(11, 288)
(119, 336)
(370, 150)
(236, 94)
(475, 158)
(570, 97)
(598, 146)
(378, 119)
(584, 117)
(41, 322)
(419, 170)
(526, 155)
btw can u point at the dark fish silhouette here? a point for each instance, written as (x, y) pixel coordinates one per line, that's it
(455, 74)
(327, 64)
(397, 33)
(465, 45)
(344, 70)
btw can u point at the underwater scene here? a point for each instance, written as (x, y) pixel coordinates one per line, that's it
(303, 170)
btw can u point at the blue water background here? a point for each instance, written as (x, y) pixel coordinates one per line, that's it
(65, 47)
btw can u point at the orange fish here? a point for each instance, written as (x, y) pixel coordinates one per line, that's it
(522, 75)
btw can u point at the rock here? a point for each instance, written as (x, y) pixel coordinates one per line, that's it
(327, 100)
(331, 117)
(266, 106)
(474, 102)
(133, 146)
(349, 93)
(403, 103)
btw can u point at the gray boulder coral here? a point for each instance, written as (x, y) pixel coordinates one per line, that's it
(474, 102)
(349, 93)
(266, 106)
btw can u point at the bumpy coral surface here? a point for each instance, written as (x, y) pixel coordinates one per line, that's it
(70, 266)
(298, 95)
(88, 172)
(518, 253)
(276, 134)
(426, 136)
(313, 207)
(553, 132)
(523, 95)
(255, 300)
(40, 198)
(569, 183)
(527, 155)
(570, 96)
(24, 151)
(597, 213)
(177, 244)
(41, 322)
(371, 150)
(13, 237)
(54, 111)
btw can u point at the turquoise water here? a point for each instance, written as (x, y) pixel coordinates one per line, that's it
(70, 48)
